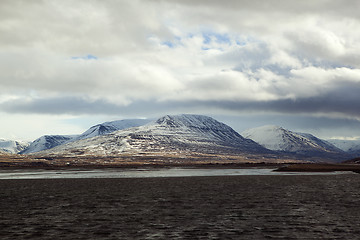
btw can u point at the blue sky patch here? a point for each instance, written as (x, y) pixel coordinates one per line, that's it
(87, 57)
(219, 38)
(169, 44)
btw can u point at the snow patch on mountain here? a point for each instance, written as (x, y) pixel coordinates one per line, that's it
(350, 146)
(280, 139)
(320, 142)
(12, 146)
(47, 142)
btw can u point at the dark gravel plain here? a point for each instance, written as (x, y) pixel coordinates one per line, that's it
(229, 207)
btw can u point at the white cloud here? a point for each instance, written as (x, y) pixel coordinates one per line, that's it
(177, 50)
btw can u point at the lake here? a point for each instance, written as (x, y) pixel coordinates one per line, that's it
(148, 204)
(144, 173)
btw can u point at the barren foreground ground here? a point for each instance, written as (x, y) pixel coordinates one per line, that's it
(236, 207)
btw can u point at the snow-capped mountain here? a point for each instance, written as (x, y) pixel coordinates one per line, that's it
(173, 134)
(47, 142)
(322, 143)
(109, 127)
(280, 139)
(12, 146)
(50, 141)
(349, 146)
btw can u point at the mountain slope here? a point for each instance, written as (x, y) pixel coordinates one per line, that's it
(327, 146)
(11, 146)
(51, 141)
(349, 146)
(280, 139)
(109, 127)
(177, 133)
(47, 142)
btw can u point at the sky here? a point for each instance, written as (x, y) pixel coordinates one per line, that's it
(67, 65)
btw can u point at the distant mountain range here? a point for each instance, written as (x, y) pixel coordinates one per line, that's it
(172, 134)
(350, 146)
(184, 134)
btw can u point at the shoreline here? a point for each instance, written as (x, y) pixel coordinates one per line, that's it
(280, 167)
(137, 166)
(318, 167)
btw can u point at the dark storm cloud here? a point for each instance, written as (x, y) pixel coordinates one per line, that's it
(323, 104)
(59, 105)
(83, 106)
(323, 127)
(344, 101)
(294, 115)
(301, 123)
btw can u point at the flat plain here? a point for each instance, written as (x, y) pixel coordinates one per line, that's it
(224, 207)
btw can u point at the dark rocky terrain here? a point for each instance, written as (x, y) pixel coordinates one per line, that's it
(353, 161)
(236, 207)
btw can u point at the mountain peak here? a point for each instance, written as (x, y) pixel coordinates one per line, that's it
(270, 128)
(191, 121)
(278, 138)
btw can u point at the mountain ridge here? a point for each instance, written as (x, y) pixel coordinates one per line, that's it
(182, 134)
(50, 141)
(46, 142)
(170, 133)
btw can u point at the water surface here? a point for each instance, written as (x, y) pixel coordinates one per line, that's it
(322, 206)
(144, 173)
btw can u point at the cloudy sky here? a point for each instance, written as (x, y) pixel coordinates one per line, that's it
(67, 65)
